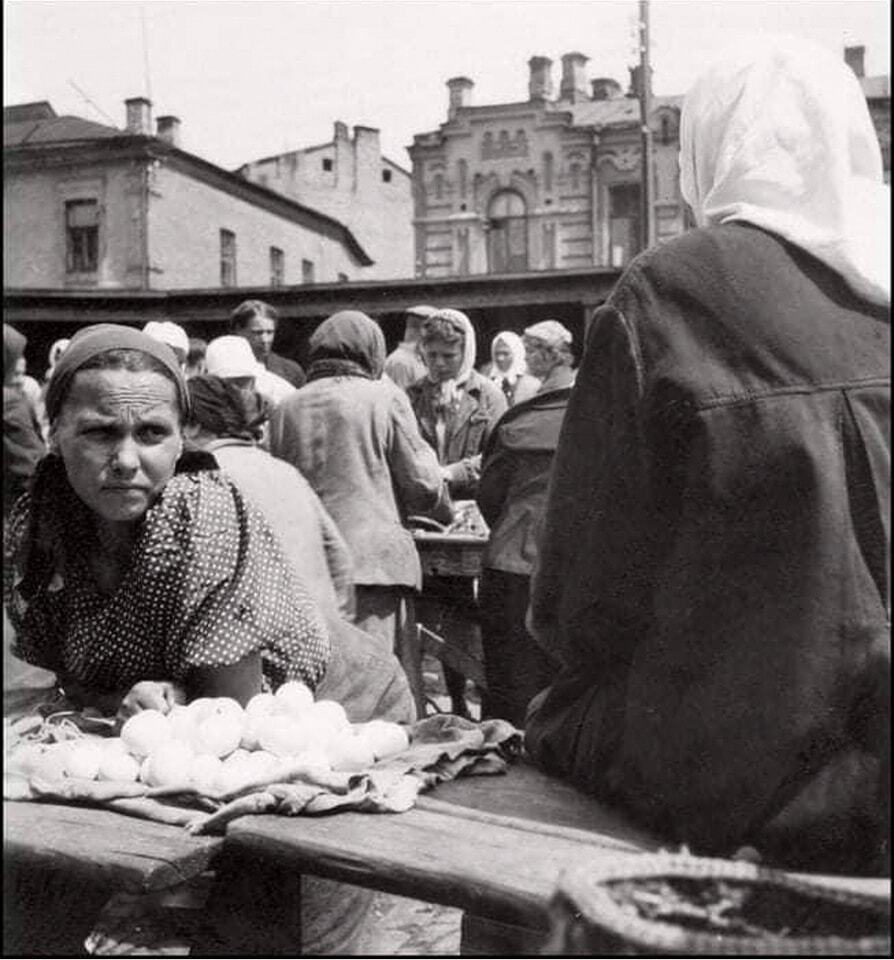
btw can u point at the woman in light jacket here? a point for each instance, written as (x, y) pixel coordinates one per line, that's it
(354, 437)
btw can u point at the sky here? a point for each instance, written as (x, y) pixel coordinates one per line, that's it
(251, 78)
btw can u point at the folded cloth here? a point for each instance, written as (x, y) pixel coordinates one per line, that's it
(441, 748)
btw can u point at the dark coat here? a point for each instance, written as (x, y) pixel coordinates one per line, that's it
(714, 567)
(288, 369)
(22, 446)
(514, 476)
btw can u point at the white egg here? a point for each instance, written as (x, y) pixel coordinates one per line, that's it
(201, 707)
(331, 714)
(182, 721)
(24, 759)
(217, 734)
(144, 731)
(384, 737)
(261, 705)
(84, 759)
(170, 764)
(295, 698)
(204, 772)
(283, 736)
(118, 765)
(228, 707)
(350, 753)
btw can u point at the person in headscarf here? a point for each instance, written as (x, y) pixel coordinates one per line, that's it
(456, 408)
(353, 436)
(228, 423)
(404, 365)
(713, 572)
(143, 576)
(23, 444)
(508, 369)
(455, 405)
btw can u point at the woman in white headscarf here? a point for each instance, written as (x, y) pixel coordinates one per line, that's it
(508, 368)
(713, 570)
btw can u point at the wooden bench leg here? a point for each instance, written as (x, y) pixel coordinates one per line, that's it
(481, 937)
(410, 652)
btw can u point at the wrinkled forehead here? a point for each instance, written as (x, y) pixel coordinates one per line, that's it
(116, 393)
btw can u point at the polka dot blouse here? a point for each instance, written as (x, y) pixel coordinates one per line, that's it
(207, 585)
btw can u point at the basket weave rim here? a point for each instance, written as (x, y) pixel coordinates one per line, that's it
(586, 887)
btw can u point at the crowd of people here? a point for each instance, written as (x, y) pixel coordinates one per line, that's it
(685, 596)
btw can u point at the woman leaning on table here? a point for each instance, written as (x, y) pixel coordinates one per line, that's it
(713, 571)
(141, 578)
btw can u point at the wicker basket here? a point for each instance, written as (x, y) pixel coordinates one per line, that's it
(677, 905)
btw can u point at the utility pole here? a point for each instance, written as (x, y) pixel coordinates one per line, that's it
(645, 106)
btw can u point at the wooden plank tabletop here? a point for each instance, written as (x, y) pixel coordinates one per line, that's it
(453, 848)
(103, 847)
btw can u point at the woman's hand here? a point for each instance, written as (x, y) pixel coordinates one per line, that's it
(151, 695)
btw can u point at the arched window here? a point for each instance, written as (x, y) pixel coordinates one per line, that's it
(507, 238)
(438, 184)
(666, 129)
(574, 175)
(463, 175)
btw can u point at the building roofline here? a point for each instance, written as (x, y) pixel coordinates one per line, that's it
(230, 182)
(311, 149)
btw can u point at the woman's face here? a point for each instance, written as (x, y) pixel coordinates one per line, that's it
(119, 435)
(502, 357)
(443, 359)
(16, 376)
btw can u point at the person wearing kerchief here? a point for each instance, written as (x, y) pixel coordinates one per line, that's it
(714, 568)
(508, 369)
(548, 355)
(353, 436)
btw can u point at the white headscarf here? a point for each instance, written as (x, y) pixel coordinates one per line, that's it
(777, 133)
(514, 345)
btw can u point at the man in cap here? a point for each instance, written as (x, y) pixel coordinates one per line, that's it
(256, 322)
(548, 355)
(404, 365)
(165, 331)
(512, 499)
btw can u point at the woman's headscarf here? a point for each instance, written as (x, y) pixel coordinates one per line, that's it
(220, 408)
(513, 342)
(100, 338)
(777, 133)
(462, 324)
(56, 351)
(348, 344)
(14, 344)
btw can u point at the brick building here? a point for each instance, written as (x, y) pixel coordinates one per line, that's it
(88, 205)
(553, 181)
(349, 179)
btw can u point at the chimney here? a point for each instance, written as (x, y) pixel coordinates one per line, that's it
(853, 57)
(168, 129)
(540, 82)
(604, 88)
(367, 158)
(574, 77)
(341, 130)
(139, 116)
(460, 94)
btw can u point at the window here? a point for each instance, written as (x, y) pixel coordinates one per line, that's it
(307, 271)
(666, 133)
(327, 164)
(548, 172)
(227, 258)
(277, 267)
(386, 176)
(507, 237)
(625, 217)
(81, 236)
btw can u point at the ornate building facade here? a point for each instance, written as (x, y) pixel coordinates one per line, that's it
(546, 183)
(554, 181)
